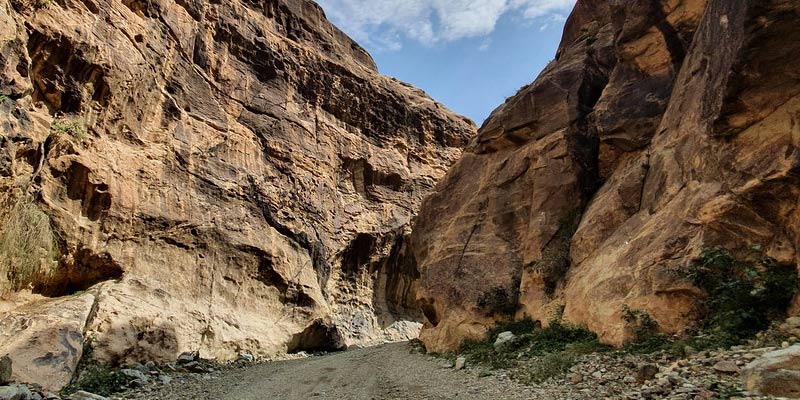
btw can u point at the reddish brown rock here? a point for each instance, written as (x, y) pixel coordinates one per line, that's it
(225, 176)
(664, 128)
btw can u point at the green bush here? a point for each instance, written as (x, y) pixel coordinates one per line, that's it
(76, 129)
(98, 379)
(532, 341)
(743, 297)
(647, 337)
(550, 366)
(28, 246)
(559, 337)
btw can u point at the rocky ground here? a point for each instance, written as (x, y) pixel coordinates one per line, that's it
(401, 371)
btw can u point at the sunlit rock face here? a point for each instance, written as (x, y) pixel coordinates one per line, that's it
(220, 177)
(660, 129)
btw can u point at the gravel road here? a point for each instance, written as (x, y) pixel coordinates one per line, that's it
(384, 372)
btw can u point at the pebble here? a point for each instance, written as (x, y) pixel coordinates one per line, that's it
(575, 378)
(186, 358)
(646, 372)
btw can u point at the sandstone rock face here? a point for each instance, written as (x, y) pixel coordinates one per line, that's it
(661, 128)
(225, 176)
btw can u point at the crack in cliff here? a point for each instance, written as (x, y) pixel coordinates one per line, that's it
(482, 216)
(314, 249)
(675, 46)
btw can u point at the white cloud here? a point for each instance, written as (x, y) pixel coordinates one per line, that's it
(384, 23)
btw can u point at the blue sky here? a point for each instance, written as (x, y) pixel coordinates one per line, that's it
(468, 54)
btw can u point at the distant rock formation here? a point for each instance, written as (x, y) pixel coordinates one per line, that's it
(660, 129)
(219, 177)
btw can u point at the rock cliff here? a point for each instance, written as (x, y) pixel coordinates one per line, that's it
(661, 128)
(212, 176)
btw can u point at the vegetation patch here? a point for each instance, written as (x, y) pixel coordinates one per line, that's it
(98, 379)
(28, 245)
(500, 300)
(558, 345)
(742, 298)
(93, 377)
(75, 129)
(550, 366)
(647, 337)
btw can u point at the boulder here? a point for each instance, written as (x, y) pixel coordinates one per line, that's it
(45, 339)
(15, 392)
(791, 327)
(133, 374)
(775, 373)
(187, 357)
(726, 367)
(646, 372)
(504, 341)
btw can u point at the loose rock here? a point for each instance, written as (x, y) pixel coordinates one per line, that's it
(775, 374)
(504, 341)
(726, 367)
(5, 370)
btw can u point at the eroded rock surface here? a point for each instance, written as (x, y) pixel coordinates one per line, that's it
(775, 374)
(237, 173)
(661, 128)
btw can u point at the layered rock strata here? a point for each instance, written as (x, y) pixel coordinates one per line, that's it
(219, 176)
(661, 128)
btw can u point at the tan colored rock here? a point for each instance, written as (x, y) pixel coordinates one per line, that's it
(791, 327)
(45, 339)
(775, 374)
(240, 179)
(507, 200)
(677, 137)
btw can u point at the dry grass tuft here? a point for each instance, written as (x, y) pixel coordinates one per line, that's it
(28, 246)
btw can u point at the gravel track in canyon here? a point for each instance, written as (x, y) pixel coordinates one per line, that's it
(384, 372)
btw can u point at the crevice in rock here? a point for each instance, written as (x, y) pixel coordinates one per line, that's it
(675, 45)
(429, 311)
(266, 63)
(82, 270)
(94, 197)
(357, 255)
(317, 337)
(290, 292)
(62, 77)
(365, 178)
(394, 294)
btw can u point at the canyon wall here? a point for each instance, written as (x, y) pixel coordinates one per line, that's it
(662, 128)
(216, 177)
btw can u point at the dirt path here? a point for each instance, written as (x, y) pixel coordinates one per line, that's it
(384, 372)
